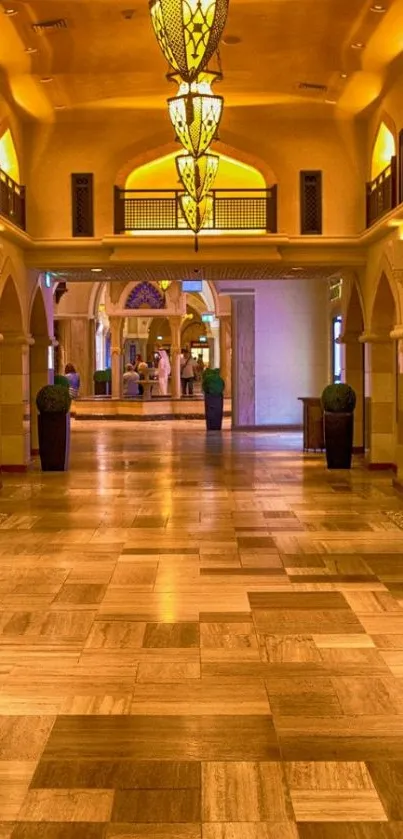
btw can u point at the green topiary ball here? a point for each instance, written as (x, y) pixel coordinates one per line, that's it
(212, 381)
(61, 380)
(53, 399)
(338, 399)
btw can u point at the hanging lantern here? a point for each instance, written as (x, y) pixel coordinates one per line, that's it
(188, 32)
(197, 175)
(164, 284)
(197, 214)
(195, 114)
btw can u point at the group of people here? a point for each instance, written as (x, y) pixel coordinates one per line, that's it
(191, 370)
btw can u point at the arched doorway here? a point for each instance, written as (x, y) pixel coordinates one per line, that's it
(354, 364)
(382, 378)
(14, 382)
(38, 360)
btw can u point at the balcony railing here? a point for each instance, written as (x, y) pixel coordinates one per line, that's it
(382, 193)
(150, 210)
(12, 200)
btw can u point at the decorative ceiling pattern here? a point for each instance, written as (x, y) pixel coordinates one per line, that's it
(213, 273)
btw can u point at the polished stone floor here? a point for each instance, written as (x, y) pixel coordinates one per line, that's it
(200, 636)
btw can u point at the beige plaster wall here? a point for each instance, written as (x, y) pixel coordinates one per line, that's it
(112, 148)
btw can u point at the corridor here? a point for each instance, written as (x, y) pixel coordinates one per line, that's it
(200, 637)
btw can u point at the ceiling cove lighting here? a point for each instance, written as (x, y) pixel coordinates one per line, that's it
(188, 32)
(197, 175)
(195, 113)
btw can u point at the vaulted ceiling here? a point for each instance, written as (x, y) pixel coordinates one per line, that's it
(104, 55)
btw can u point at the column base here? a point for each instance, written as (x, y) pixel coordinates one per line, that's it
(14, 467)
(382, 467)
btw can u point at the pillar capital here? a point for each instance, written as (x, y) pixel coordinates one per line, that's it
(398, 274)
(374, 338)
(397, 332)
(23, 339)
(350, 338)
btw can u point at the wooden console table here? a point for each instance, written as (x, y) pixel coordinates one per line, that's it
(313, 423)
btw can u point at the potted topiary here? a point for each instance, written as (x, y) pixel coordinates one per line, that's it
(61, 380)
(102, 381)
(338, 403)
(53, 403)
(213, 388)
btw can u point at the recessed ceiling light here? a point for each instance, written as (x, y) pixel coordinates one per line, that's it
(231, 40)
(330, 102)
(297, 269)
(30, 49)
(60, 107)
(378, 9)
(10, 12)
(96, 270)
(46, 79)
(343, 75)
(358, 45)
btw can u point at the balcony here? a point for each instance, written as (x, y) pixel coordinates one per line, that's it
(12, 200)
(232, 210)
(382, 193)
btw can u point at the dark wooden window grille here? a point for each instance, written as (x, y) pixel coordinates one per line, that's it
(82, 200)
(232, 209)
(311, 203)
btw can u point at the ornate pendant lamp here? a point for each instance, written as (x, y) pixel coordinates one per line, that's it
(197, 175)
(188, 32)
(195, 114)
(197, 214)
(164, 284)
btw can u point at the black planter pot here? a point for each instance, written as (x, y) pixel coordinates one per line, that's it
(102, 388)
(339, 429)
(54, 441)
(214, 408)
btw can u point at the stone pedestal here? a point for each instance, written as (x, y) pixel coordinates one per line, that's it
(14, 401)
(243, 362)
(381, 399)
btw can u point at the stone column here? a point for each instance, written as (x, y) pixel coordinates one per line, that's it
(397, 334)
(225, 352)
(353, 374)
(243, 361)
(38, 377)
(116, 325)
(175, 322)
(14, 402)
(380, 398)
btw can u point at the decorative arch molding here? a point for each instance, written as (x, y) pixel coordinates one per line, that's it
(145, 295)
(351, 285)
(153, 154)
(9, 271)
(384, 270)
(95, 296)
(15, 321)
(384, 119)
(38, 291)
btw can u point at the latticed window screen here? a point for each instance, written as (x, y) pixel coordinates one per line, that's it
(311, 202)
(150, 214)
(240, 214)
(82, 201)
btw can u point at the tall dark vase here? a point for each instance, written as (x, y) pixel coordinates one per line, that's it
(214, 408)
(339, 430)
(54, 441)
(100, 388)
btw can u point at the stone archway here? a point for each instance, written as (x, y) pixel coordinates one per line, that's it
(14, 379)
(381, 378)
(38, 360)
(355, 364)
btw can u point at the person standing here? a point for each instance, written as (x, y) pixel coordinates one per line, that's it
(188, 365)
(130, 381)
(73, 380)
(164, 369)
